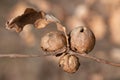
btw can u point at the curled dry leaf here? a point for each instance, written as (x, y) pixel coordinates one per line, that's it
(30, 16)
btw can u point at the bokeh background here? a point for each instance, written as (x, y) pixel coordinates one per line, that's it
(102, 16)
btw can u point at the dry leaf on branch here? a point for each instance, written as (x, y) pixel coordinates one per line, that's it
(30, 16)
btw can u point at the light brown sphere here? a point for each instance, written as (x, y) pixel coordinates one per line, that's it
(69, 63)
(53, 42)
(82, 39)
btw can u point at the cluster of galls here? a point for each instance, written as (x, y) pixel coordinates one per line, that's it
(80, 40)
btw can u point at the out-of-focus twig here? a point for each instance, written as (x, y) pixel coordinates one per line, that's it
(96, 59)
(71, 52)
(21, 55)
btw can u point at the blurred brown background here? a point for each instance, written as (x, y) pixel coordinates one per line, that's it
(102, 16)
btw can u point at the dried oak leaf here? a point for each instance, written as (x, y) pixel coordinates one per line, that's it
(30, 16)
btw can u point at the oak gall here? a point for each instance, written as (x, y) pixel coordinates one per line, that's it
(69, 63)
(82, 39)
(53, 42)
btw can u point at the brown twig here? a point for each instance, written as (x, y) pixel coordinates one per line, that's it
(62, 28)
(21, 55)
(71, 52)
(96, 59)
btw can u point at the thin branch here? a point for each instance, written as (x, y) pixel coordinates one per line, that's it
(96, 59)
(62, 28)
(21, 55)
(71, 52)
